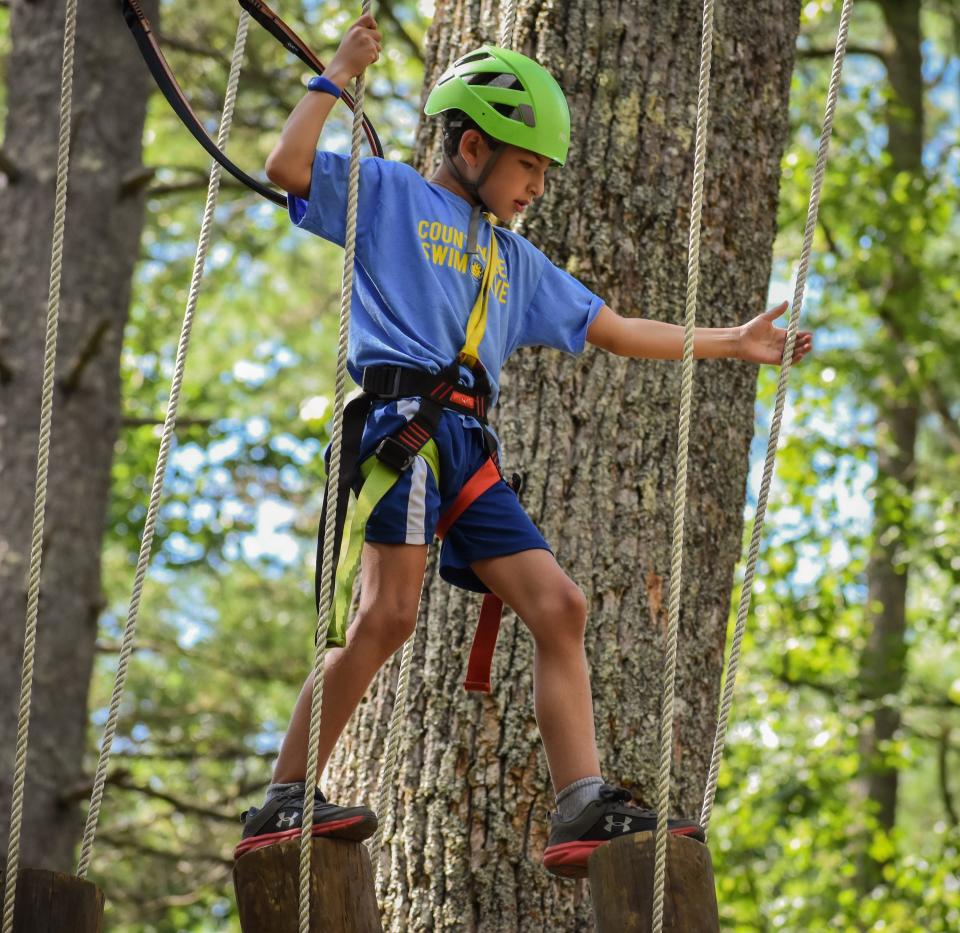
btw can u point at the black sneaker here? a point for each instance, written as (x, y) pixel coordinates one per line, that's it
(280, 818)
(572, 841)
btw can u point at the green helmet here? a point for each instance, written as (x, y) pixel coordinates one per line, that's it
(539, 120)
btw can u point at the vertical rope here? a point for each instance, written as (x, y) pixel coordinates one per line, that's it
(680, 488)
(386, 797)
(43, 456)
(508, 27)
(169, 425)
(746, 593)
(346, 295)
(385, 800)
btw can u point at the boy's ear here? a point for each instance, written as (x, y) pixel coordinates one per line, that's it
(472, 145)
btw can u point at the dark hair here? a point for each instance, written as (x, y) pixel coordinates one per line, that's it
(456, 122)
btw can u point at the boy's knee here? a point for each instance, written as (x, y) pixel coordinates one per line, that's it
(563, 612)
(386, 626)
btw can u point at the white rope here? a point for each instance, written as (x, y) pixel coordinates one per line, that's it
(386, 798)
(333, 495)
(508, 27)
(169, 425)
(680, 489)
(385, 801)
(40, 497)
(747, 589)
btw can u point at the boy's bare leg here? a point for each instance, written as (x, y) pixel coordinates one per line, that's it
(391, 579)
(555, 611)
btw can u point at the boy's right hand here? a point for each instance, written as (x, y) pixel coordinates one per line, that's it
(359, 48)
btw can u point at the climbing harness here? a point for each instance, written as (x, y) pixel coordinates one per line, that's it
(374, 478)
(149, 47)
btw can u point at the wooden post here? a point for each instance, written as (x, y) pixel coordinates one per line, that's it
(621, 885)
(51, 902)
(342, 896)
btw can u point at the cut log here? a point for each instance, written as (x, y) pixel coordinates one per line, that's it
(621, 886)
(51, 902)
(342, 895)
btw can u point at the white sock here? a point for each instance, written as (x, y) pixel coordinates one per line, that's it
(574, 797)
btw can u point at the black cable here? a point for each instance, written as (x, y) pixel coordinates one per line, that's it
(146, 41)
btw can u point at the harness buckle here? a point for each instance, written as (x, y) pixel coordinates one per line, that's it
(383, 381)
(394, 454)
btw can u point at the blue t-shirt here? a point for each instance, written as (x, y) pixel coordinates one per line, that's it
(415, 285)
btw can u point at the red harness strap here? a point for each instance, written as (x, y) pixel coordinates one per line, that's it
(488, 626)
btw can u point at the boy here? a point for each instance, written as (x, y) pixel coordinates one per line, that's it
(424, 257)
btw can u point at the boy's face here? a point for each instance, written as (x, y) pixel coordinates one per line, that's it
(517, 179)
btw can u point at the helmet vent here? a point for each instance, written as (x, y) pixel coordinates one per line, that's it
(525, 112)
(474, 57)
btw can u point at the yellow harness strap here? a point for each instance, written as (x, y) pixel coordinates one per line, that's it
(477, 322)
(378, 478)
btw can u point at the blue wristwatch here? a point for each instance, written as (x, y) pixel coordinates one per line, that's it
(324, 85)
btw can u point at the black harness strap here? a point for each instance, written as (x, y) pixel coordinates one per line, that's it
(354, 420)
(150, 50)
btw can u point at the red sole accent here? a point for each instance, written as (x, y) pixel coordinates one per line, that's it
(269, 839)
(569, 859)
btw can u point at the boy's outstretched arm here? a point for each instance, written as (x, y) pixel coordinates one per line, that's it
(291, 163)
(757, 341)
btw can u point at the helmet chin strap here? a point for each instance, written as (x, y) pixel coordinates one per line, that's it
(473, 189)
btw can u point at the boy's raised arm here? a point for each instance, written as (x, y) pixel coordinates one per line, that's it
(290, 164)
(757, 341)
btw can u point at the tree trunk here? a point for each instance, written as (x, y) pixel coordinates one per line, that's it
(883, 664)
(597, 437)
(103, 233)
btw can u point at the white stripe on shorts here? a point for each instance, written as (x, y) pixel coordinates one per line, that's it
(408, 407)
(417, 503)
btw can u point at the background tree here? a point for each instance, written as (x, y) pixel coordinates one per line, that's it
(105, 214)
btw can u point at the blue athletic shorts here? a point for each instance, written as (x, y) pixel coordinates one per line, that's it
(494, 525)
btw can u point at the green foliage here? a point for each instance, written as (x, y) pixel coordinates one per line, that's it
(226, 627)
(793, 827)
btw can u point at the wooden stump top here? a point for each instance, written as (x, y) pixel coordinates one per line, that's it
(621, 886)
(342, 895)
(51, 902)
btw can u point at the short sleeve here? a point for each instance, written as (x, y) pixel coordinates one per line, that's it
(325, 212)
(560, 312)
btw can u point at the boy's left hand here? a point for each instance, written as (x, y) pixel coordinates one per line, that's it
(762, 342)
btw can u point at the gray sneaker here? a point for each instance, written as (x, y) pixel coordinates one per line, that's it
(280, 817)
(615, 814)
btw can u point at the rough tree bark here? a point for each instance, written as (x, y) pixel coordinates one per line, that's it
(883, 664)
(597, 436)
(104, 218)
